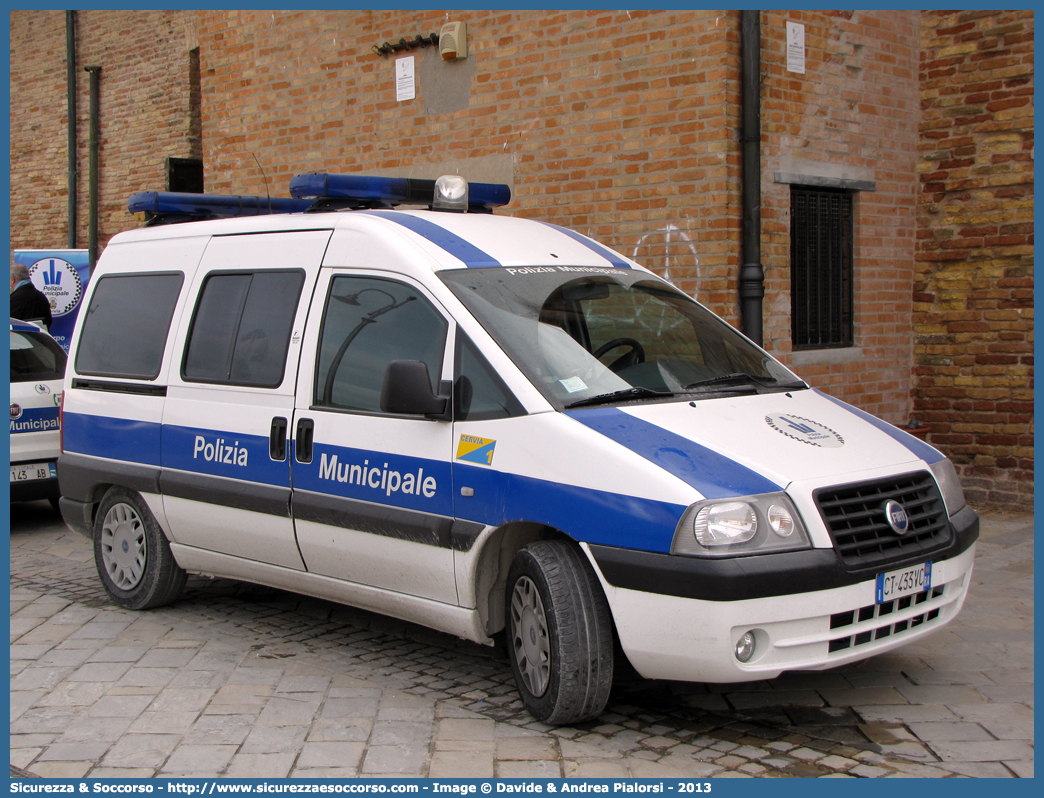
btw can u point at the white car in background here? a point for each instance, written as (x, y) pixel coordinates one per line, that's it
(37, 371)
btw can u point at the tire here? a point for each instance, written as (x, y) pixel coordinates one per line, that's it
(559, 633)
(131, 552)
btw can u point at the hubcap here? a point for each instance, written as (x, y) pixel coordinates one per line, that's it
(529, 637)
(123, 546)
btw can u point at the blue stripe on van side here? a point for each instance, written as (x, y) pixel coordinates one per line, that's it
(456, 246)
(232, 455)
(594, 246)
(379, 478)
(927, 453)
(711, 473)
(112, 438)
(585, 514)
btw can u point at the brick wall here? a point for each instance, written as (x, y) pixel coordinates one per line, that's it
(851, 116)
(974, 285)
(144, 113)
(618, 124)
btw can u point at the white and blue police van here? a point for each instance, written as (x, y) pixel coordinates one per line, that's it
(37, 371)
(491, 426)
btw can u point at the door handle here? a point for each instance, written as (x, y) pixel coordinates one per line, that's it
(277, 439)
(303, 440)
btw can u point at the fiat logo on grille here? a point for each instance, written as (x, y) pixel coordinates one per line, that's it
(896, 516)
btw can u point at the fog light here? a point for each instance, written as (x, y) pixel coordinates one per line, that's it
(745, 647)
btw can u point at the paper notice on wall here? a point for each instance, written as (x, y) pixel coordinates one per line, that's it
(796, 47)
(405, 80)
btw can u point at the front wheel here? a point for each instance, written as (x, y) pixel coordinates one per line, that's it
(559, 629)
(131, 552)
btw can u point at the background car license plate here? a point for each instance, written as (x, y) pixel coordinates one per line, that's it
(904, 582)
(28, 471)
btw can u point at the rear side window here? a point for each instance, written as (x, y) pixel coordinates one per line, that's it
(241, 329)
(35, 357)
(127, 324)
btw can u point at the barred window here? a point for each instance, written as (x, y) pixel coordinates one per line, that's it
(820, 267)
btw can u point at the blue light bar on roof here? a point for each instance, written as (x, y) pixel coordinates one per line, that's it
(157, 205)
(369, 191)
(364, 188)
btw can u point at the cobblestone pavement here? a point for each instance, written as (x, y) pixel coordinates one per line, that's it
(235, 680)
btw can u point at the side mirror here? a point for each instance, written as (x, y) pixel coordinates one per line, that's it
(407, 390)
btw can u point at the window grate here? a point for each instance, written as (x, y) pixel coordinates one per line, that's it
(821, 268)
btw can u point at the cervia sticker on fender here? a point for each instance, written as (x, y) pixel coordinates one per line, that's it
(805, 430)
(472, 449)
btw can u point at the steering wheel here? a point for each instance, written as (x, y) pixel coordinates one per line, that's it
(632, 358)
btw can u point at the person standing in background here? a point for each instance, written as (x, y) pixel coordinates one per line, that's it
(28, 303)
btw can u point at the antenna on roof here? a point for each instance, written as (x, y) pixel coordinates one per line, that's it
(263, 177)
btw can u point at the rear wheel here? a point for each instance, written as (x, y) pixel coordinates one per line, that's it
(559, 632)
(131, 552)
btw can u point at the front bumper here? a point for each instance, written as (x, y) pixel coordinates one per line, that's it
(686, 629)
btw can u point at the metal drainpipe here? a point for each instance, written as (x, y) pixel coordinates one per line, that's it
(92, 207)
(70, 79)
(752, 275)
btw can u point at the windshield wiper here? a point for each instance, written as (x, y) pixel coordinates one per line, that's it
(740, 378)
(636, 392)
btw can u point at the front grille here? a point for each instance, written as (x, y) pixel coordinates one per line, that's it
(876, 621)
(855, 516)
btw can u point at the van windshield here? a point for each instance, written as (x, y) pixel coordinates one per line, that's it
(587, 336)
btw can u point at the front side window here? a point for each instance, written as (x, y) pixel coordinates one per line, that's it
(367, 324)
(591, 336)
(478, 393)
(126, 325)
(241, 328)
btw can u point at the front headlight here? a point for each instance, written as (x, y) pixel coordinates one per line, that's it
(950, 485)
(744, 525)
(725, 523)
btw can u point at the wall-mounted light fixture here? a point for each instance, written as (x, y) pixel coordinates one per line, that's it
(406, 44)
(453, 41)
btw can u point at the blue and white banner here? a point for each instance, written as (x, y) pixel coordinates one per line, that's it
(62, 275)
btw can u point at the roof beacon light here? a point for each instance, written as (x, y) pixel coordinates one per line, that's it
(166, 207)
(451, 194)
(368, 191)
(323, 192)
